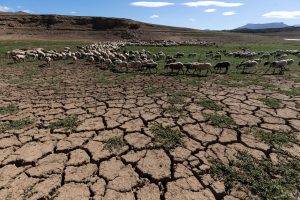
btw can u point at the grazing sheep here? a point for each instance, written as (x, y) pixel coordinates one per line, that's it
(175, 66)
(266, 56)
(217, 57)
(48, 61)
(135, 65)
(172, 60)
(19, 58)
(278, 65)
(149, 66)
(189, 66)
(203, 66)
(179, 55)
(247, 64)
(222, 65)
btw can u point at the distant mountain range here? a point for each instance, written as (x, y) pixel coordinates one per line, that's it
(263, 26)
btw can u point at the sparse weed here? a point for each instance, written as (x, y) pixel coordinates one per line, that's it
(18, 124)
(209, 104)
(10, 109)
(271, 102)
(221, 121)
(262, 177)
(68, 123)
(114, 143)
(276, 138)
(173, 110)
(151, 90)
(166, 137)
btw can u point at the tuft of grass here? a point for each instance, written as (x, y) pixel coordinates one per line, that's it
(271, 102)
(68, 123)
(174, 99)
(292, 92)
(114, 143)
(276, 138)
(195, 82)
(166, 136)
(228, 83)
(103, 80)
(10, 109)
(184, 94)
(151, 90)
(262, 178)
(18, 124)
(209, 104)
(173, 110)
(221, 121)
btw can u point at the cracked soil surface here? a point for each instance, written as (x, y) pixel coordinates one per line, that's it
(39, 162)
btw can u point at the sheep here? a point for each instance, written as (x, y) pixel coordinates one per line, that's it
(203, 66)
(48, 61)
(266, 56)
(19, 58)
(278, 65)
(247, 64)
(217, 57)
(179, 55)
(189, 66)
(135, 65)
(149, 66)
(175, 66)
(223, 65)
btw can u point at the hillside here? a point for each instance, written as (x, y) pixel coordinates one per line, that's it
(264, 26)
(57, 27)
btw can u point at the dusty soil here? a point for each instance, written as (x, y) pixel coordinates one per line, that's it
(38, 162)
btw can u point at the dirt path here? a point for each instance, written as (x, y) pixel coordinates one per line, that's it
(110, 151)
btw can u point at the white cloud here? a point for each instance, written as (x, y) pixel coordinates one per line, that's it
(212, 3)
(210, 10)
(73, 12)
(283, 14)
(151, 4)
(5, 9)
(154, 16)
(192, 19)
(229, 13)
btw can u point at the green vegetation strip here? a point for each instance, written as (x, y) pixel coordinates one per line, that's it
(166, 136)
(67, 123)
(10, 109)
(18, 124)
(271, 102)
(262, 178)
(209, 104)
(218, 120)
(276, 138)
(114, 143)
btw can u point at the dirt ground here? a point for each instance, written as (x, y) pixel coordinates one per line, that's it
(108, 150)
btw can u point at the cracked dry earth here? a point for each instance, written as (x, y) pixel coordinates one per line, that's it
(38, 162)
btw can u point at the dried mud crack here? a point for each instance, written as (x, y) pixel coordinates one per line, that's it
(93, 141)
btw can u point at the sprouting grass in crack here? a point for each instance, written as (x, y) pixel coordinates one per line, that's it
(68, 123)
(209, 104)
(166, 136)
(104, 80)
(173, 110)
(18, 124)
(218, 120)
(10, 109)
(28, 193)
(262, 178)
(292, 92)
(276, 138)
(184, 94)
(297, 105)
(114, 143)
(151, 90)
(271, 102)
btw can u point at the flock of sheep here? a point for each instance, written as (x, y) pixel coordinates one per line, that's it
(109, 56)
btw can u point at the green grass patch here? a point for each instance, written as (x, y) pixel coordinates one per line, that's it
(69, 123)
(166, 136)
(173, 110)
(184, 94)
(297, 105)
(276, 138)
(218, 120)
(271, 102)
(209, 104)
(151, 91)
(18, 124)
(228, 83)
(104, 80)
(10, 109)
(262, 178)
(114, 143)
(292, 92)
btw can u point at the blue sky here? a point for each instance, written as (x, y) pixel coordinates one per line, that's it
(199, 14)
